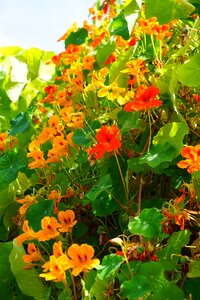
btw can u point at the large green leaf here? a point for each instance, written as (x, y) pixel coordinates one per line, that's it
(194, 269)
(109, 265)
(28, 280)
(20, 123)
(6, 274)
(135, 288)
(77, 38)
(167, 256)
(148, 223)
(119, 26)
(103, 52)
(172, 134)
(131, 13)
(119, 65)
(168, 10)
(32, 57)
(129, 120)
(37, 212)
(169, 292)
(10, 164)
(155, 274)
(189, 73)
(104, 184)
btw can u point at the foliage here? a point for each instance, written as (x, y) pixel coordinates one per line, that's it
(100, 158)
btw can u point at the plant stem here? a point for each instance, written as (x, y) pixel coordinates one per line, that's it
(139, 194)
(122, 178)
(67, 287)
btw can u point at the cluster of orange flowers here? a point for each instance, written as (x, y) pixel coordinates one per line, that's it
(6, 141)
(192, 161)
(78, 258)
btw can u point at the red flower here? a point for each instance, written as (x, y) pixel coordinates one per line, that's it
(144, 99)
(108, 141)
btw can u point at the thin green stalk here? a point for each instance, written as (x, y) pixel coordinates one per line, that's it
(122, 178)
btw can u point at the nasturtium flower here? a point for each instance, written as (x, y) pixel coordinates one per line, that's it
(57, 267)
(49, 229)
(33, 255)
(28, 234)
(3, 137)
(81, 258)
(108, 141)
(196, 97)
(144, 99)
(192, 161)
(26, 202)
(66, 219)
(56, 196)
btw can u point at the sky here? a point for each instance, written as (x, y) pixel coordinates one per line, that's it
(39, 23)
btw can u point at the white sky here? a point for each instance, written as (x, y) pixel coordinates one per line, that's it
(39, 23)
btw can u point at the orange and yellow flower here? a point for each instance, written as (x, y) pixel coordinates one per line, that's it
(81, 258)
(192, 161)
(66, 219)
(27, 201)
(28, 234)
(49, 229)
(33, 255)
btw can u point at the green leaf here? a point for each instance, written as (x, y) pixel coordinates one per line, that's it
(119, 26)
(77, 38)
(6, 274)
(20, 123)
(104, 184)
(148, 223)
(7, 197)
(136, 287)
(189, 73)
(118, 66)
(109, 265)
(168, 10)
(80, 137)
(103, 52)
(196, 182)
(194, 269)
(28, 280)
(38, 211)
(129, 121)
(167, 255)
(169, 292)
(158, 154)
(32, 57)
(131, 13)
(10, 50)
(99, 288)
(172, 134)
(155, 274)
(104, 205)
(192, 287)
(60, 181)
(10, 164)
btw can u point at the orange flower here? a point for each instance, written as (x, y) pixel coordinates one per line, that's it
(66, 219)
(144, 99)
(192, 155)
(196, 97)
(39, 161)
(162, 31)
(57, 267)
(108, 141)
(33, 255)
(81, 258)
(3, 137)
(27, 202)
(49, 229)
(28, 234)
(56, 196)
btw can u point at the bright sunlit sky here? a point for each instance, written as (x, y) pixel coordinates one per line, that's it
(39, 23)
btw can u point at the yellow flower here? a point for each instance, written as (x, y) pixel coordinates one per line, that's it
(81, 258)
(57, 267)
